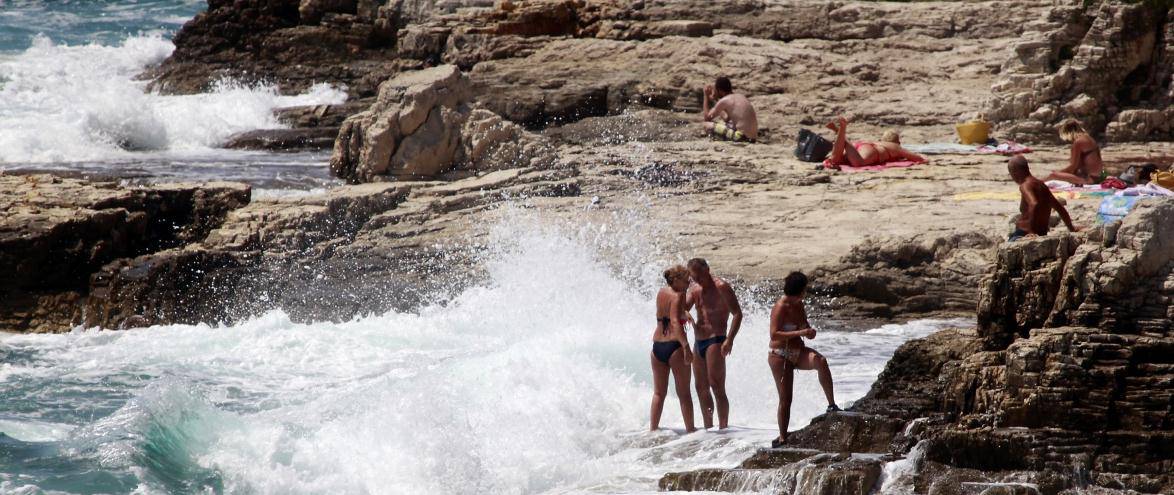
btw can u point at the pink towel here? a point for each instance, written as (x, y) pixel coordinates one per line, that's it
(873, 168)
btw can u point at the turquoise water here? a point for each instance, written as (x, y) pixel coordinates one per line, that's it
(77, 22)
(71, 100)
(536, 380)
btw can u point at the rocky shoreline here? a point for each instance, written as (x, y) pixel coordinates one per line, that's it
(1067, 385)
(463, 111)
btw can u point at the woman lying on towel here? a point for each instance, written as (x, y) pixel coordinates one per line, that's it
(864, 153)
(1084, 161)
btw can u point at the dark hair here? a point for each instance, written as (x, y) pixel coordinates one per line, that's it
(697, 264)
(1146, 171)
(723, 84)
(794, 284)
(675, 272)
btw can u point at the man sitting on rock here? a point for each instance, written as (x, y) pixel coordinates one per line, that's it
(732, 117)
(1036, 203)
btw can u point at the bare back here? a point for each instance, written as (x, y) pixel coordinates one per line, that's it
(666, 301)
(1033, 189)
(740, 112)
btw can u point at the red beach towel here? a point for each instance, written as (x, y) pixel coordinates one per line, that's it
(874, 168)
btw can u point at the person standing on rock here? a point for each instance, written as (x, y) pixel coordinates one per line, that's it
(670, 347)
(788, 328)
(717, 311)
(731, 117)
(1035, 204)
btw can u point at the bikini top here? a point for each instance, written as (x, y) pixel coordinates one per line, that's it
(664, 324)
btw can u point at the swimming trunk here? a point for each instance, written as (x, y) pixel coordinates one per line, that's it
(702, 345)
(1018, 234)
(787, 353)
(664, 350)
(727, 131)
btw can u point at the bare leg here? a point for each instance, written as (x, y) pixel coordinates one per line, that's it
(701, 383)
(811, 360)
(842, 153)
(716, 366)
(784, 375)
(681, 377)
(1067, 177)
(660, 386)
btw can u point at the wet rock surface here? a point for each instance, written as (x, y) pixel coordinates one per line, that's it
(55, 232)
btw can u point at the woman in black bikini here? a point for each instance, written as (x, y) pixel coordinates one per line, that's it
(670, 347)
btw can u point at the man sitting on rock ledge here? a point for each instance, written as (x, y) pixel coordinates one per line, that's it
(732, 117)
(1036, 203)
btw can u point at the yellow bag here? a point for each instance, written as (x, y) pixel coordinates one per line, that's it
(1164, 179)
(974, 132)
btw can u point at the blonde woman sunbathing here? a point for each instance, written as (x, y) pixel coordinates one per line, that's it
(864, 153)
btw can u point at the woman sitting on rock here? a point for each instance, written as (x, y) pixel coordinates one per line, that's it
(670, 347)
(1084, 161)
(864, 153)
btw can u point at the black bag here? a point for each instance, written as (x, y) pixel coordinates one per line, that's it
(812, 147)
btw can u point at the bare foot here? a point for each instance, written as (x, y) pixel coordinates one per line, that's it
(833, 126)
(843, 122)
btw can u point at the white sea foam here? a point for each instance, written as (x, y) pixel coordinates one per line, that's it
(83, 103)
(536, 380)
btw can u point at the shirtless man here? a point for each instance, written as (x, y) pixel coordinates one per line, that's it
(732, 117)
(1035, 204)
(716, 303)
(788, 328)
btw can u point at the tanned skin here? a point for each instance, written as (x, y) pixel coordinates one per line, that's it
(1036, 200)
(872, 153)
(789, 313)
(1084, 163)
(729, 107)
(670, 303)
(717, 309)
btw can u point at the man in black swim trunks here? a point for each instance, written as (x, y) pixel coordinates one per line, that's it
(716, 304)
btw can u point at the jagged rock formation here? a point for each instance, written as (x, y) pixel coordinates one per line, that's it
(55, 233)
(1108, 64)
(1068, 382)
(884, 277)
(542, 62)
(423, 124)
(350, 251)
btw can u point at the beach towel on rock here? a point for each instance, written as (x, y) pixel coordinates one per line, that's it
(873, 168)
(1005, 148)
(1114, 208)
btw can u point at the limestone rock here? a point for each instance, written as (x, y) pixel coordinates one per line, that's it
(1101, 64)
(56, 232)
(423, 124)
(922, 274)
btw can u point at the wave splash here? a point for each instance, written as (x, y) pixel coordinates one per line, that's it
(61, 103)
(535, 380)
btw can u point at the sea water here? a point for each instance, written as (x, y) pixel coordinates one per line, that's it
(536, 379)
(71, 100)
